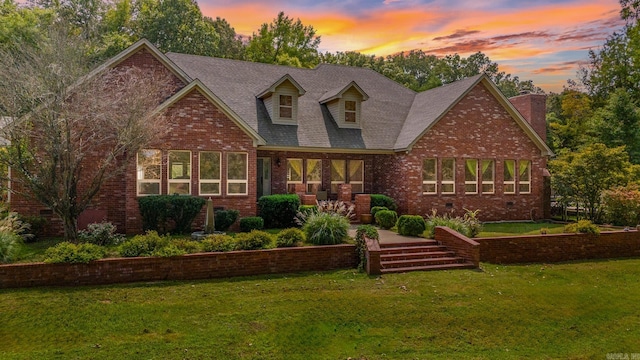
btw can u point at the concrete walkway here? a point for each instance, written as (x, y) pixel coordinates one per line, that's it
(389, 237)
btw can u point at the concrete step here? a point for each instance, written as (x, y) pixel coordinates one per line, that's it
(416, 255)
(466, 265)
(420, 262)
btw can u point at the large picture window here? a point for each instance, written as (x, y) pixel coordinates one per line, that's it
(209, 173)
(149, 172)
(448, 185)
(179, 172)
(524, 173)
(488, 177)
(356, 176)
(429, 176)
(294, 173)
(338, 174)
(471, 176)
(509, 176)
(237, 174)
(314, 175)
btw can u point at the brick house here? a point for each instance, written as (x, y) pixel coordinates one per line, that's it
(241, 130)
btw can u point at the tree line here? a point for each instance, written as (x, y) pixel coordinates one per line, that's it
(179, 26)
(594, 126)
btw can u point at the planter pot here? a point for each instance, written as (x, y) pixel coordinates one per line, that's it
(365, 218)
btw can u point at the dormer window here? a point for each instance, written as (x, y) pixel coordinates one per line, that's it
(281, 100)
(345, 105)
(286, 107)
(350, 111)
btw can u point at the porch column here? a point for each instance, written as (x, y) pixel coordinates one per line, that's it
(344, 192)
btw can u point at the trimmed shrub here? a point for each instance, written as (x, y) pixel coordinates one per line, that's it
(168, 251)
(9, 246)
(363, 231)
(143, 245)
(255, 240)
(160, 212)
(103, 234)
(583, 227)
(279, 211)
(308, 209)
(411, 225)
(384, 201)
(188, 246)
(386, 218)
(251, 223)
(289, 237)
(225, 218)
(374, 211)
(326, 229)
(218, 243)
(66, 252)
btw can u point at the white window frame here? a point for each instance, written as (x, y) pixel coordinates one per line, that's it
(525, 182)
(291, 107)
(311, 183)
(433, 181)
(348, 174)
(336, 182)
(511, 182)
(171, 181)
(244, 181)
(470, 182)
(451, 182)
(491, 182)
(289, 181)
(140, 170)
(210, 181)
(354, 111)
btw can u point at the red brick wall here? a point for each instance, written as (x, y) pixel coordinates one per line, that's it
(559, 247)
(198, 125)
(478, 127)
(188, 267)
(533, 107)
(464, 247)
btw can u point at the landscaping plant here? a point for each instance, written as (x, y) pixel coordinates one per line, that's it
(468, 225)
(583, 227)
(364, 231)
(9, 246)
(326, 228)
(254, 240)
(251, 223)
(103, 234)
(386, 219)
(66, 252)
(143, 245)
(279, 211)
(622, 205)
(289, 237)
(218, 243)
(411, 225)
(159, 212)
(384, 201)
(225, 218)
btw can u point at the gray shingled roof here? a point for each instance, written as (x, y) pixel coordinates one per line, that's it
(392, 118)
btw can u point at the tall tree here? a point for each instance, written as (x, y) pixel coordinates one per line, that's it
(176, 25)
(21, 25)
(585, 174)
(285, 42)
(230, 45)
(70, 133)
(618, 124)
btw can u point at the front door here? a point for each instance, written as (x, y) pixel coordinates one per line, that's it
(264, 177)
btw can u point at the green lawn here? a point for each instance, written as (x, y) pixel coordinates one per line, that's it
(518, 228)
(576, 310)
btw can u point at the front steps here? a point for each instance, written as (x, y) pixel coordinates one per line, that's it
(419, 255)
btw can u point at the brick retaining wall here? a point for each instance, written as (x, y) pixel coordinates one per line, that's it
(559, 247)
(187, 267)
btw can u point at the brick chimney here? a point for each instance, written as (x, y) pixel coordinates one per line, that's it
(533, 107)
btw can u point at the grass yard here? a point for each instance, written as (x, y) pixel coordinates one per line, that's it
(574, 310)
(518, 228)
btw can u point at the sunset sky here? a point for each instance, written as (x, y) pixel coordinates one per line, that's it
(542, 40)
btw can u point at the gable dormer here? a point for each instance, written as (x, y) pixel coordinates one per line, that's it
(345, 105)
(281, 100)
